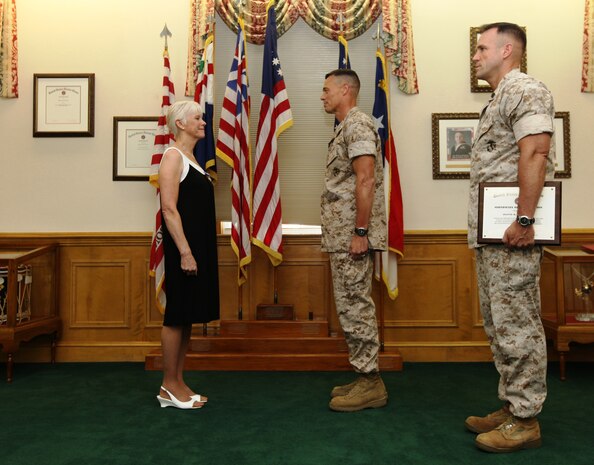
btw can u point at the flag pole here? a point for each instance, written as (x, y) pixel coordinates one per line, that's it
(210, 21)
(274, 276)
(381, 310)
(162, 140)
(239, 306)
(165, 33)
(274, 283)
(240, 5)
(274, 118)
(381, 323)
(211, 30)
(205, 325)
(378, 37)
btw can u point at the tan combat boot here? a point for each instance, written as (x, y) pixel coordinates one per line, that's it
(344, 389)
(514, 434)
(369, 392)
(488, 423)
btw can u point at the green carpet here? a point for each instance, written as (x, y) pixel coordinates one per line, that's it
(106, 413)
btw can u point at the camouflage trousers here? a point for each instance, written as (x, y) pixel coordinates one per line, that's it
(508, 281)
(352, 280)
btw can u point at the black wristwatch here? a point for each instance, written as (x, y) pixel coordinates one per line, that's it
(525, 221)
(361, 232)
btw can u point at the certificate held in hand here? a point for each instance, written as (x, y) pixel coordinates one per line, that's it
(498, 206)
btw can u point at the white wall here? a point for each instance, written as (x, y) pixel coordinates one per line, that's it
(65, 184)
(441, 33)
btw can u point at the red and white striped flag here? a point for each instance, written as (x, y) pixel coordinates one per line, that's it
(162, 140)
(275, 117)
(233, 147)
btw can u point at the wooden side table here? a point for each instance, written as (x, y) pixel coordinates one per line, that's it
(567, 298)
(28, 297)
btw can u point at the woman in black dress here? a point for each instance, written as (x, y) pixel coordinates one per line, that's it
(190, 249)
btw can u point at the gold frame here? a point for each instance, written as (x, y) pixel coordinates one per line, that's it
(439, 155)
(445, 124)
(565, 170)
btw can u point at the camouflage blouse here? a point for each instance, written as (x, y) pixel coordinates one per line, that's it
(354, 136)
(520, 106)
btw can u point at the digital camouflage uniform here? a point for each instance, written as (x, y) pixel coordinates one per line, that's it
(508, 279)
(352, 279)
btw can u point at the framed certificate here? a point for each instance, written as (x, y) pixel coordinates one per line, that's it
(498, 205)
(133, 146)
(63, 105)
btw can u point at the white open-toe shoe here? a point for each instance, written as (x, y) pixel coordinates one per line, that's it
(173, 402)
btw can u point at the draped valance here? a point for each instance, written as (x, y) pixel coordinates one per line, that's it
(327, 17)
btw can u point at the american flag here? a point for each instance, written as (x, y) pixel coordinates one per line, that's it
(233, 147)
(204, 150)
(393, 193)
(275, 117)
(162, 140)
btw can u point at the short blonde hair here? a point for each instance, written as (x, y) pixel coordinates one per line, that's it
(180, 111)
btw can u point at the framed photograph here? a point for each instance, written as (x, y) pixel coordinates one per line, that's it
(562, 145)
(479, 85)
(498, 206)
(452, 137)
(133, 144)
(63, 105)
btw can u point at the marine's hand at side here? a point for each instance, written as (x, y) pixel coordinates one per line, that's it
(518, 236)
(359, 247)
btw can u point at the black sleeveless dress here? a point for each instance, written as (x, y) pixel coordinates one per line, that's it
(193, 299)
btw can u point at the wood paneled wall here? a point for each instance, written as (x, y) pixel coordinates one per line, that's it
(108, 310)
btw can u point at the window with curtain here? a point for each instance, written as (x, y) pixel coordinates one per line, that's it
(305, 57)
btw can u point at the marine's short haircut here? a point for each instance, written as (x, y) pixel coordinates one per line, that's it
(349, 74)
(508, 28)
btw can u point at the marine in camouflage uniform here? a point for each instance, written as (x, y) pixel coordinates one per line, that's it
(508, 278)
(352, 278)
